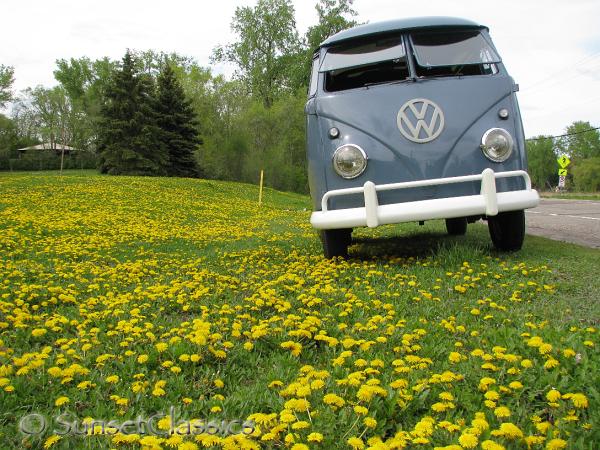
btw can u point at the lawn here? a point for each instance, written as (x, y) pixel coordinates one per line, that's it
(572, 195)
(185, 304)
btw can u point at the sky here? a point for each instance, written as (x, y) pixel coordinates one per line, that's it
(550, 47)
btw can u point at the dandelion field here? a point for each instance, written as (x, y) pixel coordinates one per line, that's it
(124, 296)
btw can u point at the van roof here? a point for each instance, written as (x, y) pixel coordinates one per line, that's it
(399, 25)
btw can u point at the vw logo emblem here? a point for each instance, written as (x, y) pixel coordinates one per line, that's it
(420, 120)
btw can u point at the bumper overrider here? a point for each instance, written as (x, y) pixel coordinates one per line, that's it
(487, 203)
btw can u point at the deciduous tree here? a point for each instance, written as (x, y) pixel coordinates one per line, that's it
(586, 175)
(582, 142)
(51, 112)
(7, 79)
(267, 41)
(85, 82)
(542, 161)
(334, 16)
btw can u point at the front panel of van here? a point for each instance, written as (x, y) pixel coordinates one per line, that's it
(380, 113)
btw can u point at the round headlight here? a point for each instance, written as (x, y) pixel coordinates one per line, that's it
(497, 144)
(349, 161)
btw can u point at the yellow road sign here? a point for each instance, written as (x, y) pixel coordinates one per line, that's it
(564, 161)
(562, 172)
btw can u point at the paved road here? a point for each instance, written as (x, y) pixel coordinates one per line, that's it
(576, 221)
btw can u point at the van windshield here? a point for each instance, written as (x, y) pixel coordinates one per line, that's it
(354, 55)
(355, 65)
(453, 48)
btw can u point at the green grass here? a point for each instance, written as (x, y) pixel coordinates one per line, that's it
(572, 195)
(114, 265)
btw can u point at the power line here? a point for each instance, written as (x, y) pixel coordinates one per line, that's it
(564, 72)
(562, 135)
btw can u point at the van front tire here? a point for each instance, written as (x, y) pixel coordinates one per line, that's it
(336, 242)
(456, 226)
(507, 230)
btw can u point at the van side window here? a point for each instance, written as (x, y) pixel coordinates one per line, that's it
(314, 76)
(356, 65)
(453, 53)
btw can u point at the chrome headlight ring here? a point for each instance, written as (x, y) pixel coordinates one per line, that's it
(497, 144)
(349, 161)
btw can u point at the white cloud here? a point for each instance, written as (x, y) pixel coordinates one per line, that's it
(551, 48)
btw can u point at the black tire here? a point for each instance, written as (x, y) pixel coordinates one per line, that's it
(456, 226)
(507, 230)
(336, 242)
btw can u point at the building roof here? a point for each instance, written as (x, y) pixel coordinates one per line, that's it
(399, 25)
(47, 146)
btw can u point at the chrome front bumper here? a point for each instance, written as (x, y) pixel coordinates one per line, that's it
(488, 202)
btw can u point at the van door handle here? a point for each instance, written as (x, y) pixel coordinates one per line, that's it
(311, 107)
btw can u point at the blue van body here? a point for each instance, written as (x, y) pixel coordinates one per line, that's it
(418, 124)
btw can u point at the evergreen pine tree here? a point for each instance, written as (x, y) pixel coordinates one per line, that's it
(128, 133)
(178, 125)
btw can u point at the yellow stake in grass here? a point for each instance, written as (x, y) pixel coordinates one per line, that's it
(260, 189)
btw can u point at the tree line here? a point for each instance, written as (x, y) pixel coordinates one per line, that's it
(581, 142)
(157, 113)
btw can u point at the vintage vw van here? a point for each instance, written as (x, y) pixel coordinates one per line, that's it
(412, 120)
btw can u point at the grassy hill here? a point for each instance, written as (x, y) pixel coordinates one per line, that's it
(121, 297)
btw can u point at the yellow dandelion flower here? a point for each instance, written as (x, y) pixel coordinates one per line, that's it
(300, 425)
(112, 379)
(501, 412)
(579, 400)
(491, 445)
(361, 410)
(545, 348)
(356, 443)
(468, 440)
(551, 363)
(315, 437)
(454, 357)
(51, 441)
(370, 422)
(553, 395)
(333, 400)
(161, 347)
(61, 401)
(556, 444)
(447, 396)
(508, 430)
(492, 395)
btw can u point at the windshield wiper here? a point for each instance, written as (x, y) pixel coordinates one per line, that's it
(375, 83)
(435, 77)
